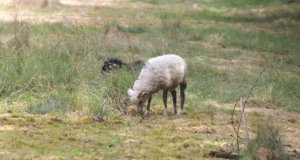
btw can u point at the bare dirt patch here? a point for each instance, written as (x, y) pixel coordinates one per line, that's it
(78, 11)
(245, 63)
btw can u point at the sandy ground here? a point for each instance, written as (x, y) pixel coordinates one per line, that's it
(80, 13)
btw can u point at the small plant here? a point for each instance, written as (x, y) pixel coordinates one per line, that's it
(137, 29)
(211, 111)
(266, 145)
(21, 36)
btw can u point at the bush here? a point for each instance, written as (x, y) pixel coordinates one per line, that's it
(266, 145)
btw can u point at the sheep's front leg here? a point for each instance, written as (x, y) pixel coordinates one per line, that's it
(182, 97)
(165, 98)
(173, 92)
(148, 106)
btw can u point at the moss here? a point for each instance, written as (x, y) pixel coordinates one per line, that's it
(292, 120)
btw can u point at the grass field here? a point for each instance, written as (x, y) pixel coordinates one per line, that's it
(51, 82)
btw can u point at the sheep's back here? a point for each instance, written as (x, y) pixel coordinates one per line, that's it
(167, 71)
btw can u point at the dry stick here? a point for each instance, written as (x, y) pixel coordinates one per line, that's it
(243, 116)
(16, 23)
(128, 41)
(2, 88)
(232, 123)
(235, 130)
(243, 110)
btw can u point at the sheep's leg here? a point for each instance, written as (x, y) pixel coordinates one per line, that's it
(148, 106)
(182, 97)
(139, 110)
(165, 98)
(173, 92)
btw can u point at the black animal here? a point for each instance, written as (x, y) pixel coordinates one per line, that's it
(115, 63)
(112, 63)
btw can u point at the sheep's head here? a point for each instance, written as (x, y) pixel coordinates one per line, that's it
(138, 98)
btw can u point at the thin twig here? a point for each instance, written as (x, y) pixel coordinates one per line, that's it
(243, 110)
(232, 120)
(128, 41)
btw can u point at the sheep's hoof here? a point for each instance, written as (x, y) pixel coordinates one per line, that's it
(174, 112)
(147, 113)
(140, 114)
(165, 112)
(180, 112)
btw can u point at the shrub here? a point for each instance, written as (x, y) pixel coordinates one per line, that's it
(266, 145)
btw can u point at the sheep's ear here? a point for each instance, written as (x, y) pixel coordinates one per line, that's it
(143, 95)
(129, 91)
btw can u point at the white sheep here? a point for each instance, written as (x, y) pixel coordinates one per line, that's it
(160, 73)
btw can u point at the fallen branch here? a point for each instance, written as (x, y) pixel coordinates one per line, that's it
(223, 154)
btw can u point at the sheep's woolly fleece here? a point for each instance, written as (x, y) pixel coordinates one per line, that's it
(159, 73)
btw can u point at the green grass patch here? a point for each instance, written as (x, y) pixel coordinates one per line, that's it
(241, 3)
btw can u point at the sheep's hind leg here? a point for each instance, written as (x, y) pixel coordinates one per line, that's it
(182, 97)
(165, 98)
(173, 92)
(148, 106)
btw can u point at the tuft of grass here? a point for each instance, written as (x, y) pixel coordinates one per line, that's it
(266, 145)
(137, 29)
(158, 2)
(241, 3)
(61, 74)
